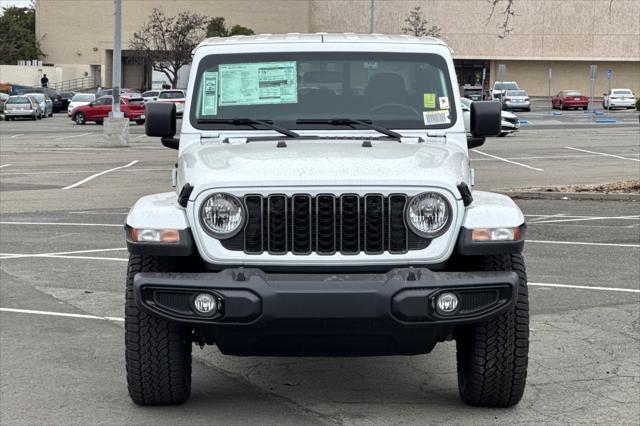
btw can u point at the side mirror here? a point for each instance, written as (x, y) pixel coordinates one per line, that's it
(486, 118)
(160, 122)
(474, 142)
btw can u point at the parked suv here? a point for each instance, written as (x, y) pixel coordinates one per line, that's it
(323, 206)
(499, 87)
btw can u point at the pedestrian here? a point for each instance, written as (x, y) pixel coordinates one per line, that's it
(44, 81)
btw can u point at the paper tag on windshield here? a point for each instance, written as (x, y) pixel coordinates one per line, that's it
(444, 102)
(429, 100)
(210, 93)
(433, 118)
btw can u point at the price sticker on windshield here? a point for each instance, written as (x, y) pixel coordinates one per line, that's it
(433, 118)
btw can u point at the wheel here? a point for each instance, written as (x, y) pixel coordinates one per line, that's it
(140, 122)
(51, 114)
(79, 118)
(528, 110)
(34, 117)
(157, 352)
(492, 355)
(584, 108)
(561, 106)
(99, 122)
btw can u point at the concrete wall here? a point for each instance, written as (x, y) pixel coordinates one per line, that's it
(542, 29)
(532, 76)
(29, 75)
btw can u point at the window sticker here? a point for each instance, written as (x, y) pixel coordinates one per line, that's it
(258, 83)
(444, 102)
(432, 118)
(430, 100)
(210, 93)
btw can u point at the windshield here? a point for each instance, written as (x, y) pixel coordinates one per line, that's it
(505, 86)
(171, 95)
(18, 100)
(393, 90)
(82, 98)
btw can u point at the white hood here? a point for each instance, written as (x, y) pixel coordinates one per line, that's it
(327, 163)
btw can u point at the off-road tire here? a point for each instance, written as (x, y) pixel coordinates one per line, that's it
(157, 352)
(492, 355)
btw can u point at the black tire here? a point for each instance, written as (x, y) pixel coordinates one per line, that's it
(140, 122)
(99, 122)
(158, 352)
(493, 355)
(34, 117)
(79, 118)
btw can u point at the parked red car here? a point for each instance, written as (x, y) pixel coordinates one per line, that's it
(569, 99)
(98, 110)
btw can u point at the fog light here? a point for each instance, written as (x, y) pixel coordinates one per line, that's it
(205, 304)
(447, 303)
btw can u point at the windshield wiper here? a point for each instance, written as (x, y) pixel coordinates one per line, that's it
(249, 122)
(350, 122)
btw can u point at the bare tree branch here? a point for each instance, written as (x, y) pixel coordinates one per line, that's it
(167, 42)
(416, 24)
(508, 13)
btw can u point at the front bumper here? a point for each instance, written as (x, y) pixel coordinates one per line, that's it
(312, 314)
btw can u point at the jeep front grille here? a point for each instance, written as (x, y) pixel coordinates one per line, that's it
(325, 224)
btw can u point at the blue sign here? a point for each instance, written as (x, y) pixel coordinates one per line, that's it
(609, 73)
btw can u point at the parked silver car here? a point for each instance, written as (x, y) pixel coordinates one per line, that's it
(19, 106)
(516, 99)
(45, 102)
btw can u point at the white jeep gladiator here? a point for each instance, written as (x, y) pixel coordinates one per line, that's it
(323, 207)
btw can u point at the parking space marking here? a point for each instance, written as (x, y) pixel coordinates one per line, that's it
(509, 161)
(16, 136)
(586, 287)
(582, 219)
(85, 180)
(71, 137)
(60, 314)
(541, 157)
(580, 243)
(4, 165)
(74, 172)
(20, 255)
(61, 224)
(603, 154)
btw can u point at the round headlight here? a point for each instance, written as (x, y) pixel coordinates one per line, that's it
(222, 215)
(428, 214)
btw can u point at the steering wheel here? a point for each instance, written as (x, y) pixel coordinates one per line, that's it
(397, 105)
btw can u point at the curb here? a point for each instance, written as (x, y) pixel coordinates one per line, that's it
(548, 195)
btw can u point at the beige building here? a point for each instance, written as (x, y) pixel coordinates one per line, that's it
(565, 35)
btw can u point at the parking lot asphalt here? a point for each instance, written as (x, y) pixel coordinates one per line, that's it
(62, 252)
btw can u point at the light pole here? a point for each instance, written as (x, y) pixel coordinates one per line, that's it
(372, 16)
(117, 59)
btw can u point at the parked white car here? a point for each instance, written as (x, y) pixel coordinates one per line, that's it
(323, 206)
(175, 96)
(150, 95)
(509, 121)
(619, 98)
(499, 87)
(80, 99)
(45, 102)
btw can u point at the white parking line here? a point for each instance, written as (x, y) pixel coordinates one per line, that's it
(603, 154)
(509, 161)
(19, 255)
(4, 165)
(16, 136)
(75, 172)
(62, 224)
(586, 287)
(60, 314)
(85, 180)
(580, 243)
(582, 219)
(71, 137)
(140, 137)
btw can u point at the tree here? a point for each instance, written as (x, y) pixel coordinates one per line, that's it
(417, 25)
(218, 28)
(18, 35)
(167, 42)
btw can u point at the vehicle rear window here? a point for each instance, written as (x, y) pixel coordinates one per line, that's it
(516, 93)
(82, 98)
(136, 101)
(149, 94)
(573, 93)
(505, 86)
(394, 90)
(622, 92)
(171, 95)
(18, 100)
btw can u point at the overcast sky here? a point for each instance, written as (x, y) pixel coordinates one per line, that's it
(19, 3)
